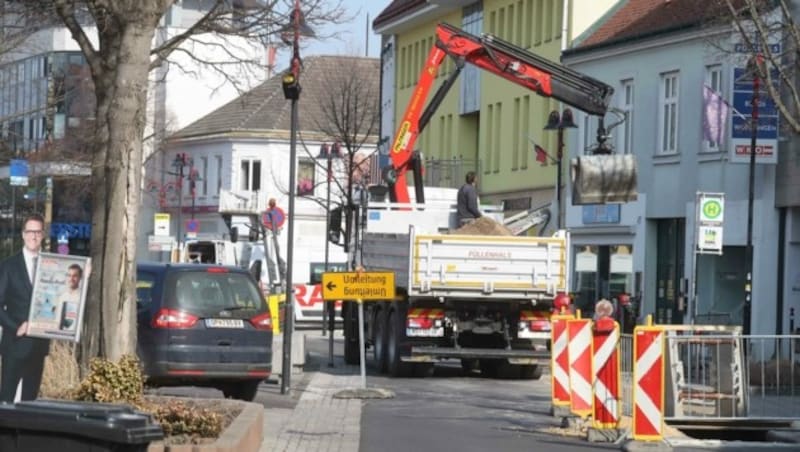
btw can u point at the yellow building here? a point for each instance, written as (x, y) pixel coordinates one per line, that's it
(485, 123)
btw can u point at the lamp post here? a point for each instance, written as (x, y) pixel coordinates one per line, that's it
(559, 122)
(755, 64)
(181, 160)
(329, 153)
(291, 91)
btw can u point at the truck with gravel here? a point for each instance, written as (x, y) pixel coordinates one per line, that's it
(483, 297)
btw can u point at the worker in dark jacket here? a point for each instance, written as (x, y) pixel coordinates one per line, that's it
(467, 201)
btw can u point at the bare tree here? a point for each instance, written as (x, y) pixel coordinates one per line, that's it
(768, 33)
(350, 116)
(119, 63)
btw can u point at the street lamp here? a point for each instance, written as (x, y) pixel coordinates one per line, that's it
(329, 153)
(181, 161)
(559, 122)
(756, 64)
(291, 91)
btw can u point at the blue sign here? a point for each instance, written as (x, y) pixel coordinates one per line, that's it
(18, 171)
(741, 47)
(741, 123)
(192, 225)
(601, 214)
(72, 230)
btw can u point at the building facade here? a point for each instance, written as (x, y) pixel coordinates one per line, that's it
(647, 248)
(484, 124)
(47, 104)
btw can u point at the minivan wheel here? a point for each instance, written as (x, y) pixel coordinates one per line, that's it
(242, 390)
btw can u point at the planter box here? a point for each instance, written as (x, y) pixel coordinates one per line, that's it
(245, 433)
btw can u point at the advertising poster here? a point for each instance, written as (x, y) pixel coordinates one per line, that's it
(59, 296)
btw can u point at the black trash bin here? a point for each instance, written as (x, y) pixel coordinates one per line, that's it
(51, 425)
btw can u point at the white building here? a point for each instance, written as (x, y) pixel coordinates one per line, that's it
(243, 147)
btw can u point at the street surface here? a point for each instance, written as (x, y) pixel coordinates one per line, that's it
(455, 411)
(448, 411)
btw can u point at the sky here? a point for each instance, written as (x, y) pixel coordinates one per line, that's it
(351, 38)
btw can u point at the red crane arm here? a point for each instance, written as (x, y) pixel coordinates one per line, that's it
(499, 57)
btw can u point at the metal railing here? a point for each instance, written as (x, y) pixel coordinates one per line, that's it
(723, 375)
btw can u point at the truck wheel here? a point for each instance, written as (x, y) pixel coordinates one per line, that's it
(423, 370)
(530, 372)
(395, 336)
(352, 354)
(498, 368)
(469, 365)
(490, 368)
(379, 348)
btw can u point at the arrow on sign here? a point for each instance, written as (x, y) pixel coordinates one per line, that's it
(331, 285)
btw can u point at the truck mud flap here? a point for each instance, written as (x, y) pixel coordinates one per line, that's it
(432, 354)
(603, 178)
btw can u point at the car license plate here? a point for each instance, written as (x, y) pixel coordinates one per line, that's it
(224, 323)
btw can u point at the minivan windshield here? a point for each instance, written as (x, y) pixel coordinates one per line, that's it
(204, 293)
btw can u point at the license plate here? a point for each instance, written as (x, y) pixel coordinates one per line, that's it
(224, 323)
(425, 332)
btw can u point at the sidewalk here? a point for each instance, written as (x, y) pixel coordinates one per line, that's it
(318, 422)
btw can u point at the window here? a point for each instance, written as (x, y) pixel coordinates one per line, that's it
(305, 177)
(219, 173)
(204, 176)
(668, 113)
(714, 81)
(626, 105)
(589, 134)
(251, 175)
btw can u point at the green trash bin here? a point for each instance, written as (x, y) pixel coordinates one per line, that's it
(45, 425)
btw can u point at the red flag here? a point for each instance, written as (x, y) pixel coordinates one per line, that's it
(541, 154)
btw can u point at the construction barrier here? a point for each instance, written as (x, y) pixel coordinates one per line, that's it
(605, 353)
(648, 377)
(559, 359)
(579, 334)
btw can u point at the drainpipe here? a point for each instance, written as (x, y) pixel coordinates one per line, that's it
(565, 25)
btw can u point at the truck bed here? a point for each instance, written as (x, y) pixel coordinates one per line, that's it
(470, 266)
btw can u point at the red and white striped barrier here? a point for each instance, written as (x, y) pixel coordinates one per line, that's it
(579, 334)
(605, 352)
(648, 380)
(559, 377)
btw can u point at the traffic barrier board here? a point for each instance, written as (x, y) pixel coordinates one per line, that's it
(648, 380)
(579, 349)
(605, 353)
(560, 359)
(356, 286)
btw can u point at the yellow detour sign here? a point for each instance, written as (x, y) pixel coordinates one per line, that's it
(357, 286)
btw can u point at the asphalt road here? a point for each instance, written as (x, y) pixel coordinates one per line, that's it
(454, 411)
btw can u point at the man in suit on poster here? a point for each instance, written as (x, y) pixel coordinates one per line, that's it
(22, 356)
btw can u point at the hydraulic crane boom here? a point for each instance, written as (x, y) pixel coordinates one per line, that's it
(499, 57)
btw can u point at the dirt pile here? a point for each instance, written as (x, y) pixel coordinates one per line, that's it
(483, 226)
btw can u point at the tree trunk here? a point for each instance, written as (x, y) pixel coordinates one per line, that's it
(109, 328)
